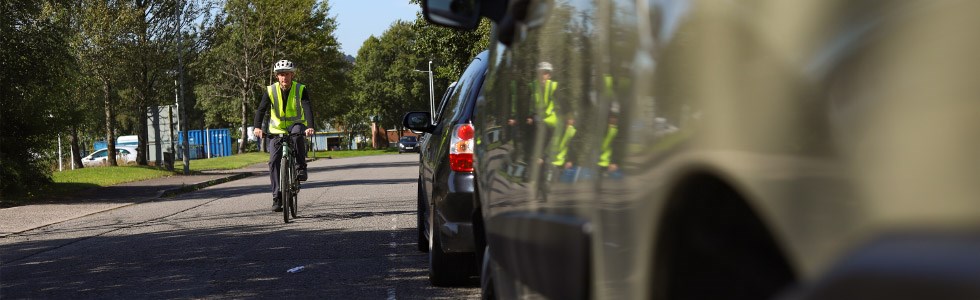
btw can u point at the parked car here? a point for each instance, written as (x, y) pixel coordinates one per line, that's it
(445, 205)
(820, 149)
(99, 158)
(408, 143)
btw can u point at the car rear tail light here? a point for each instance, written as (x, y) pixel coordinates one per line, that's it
(461, 148)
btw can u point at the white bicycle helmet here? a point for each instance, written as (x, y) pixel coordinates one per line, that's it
(284, 66)
(544, 66)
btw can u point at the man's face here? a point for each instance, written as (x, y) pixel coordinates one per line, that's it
(545, 75)
(285, 79)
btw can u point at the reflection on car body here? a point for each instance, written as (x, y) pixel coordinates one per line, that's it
(728, 149)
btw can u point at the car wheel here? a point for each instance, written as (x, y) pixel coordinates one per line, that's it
(423, 243)
(448, 269)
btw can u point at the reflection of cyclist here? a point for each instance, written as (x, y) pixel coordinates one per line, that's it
(291, 113)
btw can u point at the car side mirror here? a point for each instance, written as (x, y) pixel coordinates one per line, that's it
(418, 121)
(462, 14)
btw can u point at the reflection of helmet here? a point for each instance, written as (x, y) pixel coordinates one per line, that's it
(544, 66)
(284, 66)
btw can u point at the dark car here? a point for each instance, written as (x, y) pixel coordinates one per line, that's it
(445, 205)
(817, 149)
(408, 144)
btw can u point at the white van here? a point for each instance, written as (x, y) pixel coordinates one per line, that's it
(127, 141)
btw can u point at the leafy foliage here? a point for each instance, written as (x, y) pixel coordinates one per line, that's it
(34, 78)
(247, 40)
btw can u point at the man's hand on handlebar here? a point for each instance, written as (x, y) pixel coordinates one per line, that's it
(258, 132)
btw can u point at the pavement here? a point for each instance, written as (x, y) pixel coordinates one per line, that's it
(43, 213)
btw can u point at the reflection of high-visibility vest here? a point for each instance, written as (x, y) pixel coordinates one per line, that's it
(608, 79)
(544, 99)
(285, 114)
(561, 148)
(606, 157)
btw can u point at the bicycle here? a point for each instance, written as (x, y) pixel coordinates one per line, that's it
(289, 183)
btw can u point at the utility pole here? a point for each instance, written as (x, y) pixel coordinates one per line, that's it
(181, 116)
(432, 97)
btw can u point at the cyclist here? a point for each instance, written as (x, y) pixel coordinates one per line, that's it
(291, 112)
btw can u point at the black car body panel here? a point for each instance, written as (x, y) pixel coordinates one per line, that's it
(447, 195)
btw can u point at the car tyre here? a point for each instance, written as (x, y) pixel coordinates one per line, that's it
(423, 242)
(487, 291)
(448, 269)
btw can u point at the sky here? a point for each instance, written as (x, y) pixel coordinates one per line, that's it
(359, 19)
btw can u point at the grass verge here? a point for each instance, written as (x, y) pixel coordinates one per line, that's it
(225, 163)
(71, 182)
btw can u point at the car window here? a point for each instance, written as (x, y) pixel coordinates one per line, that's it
(408, 139)
(99, 154)
(473, 75)
(445, 98)
(123, 152)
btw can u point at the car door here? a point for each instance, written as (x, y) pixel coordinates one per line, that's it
(539, 95)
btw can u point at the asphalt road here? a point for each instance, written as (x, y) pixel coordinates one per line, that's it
(355, 239)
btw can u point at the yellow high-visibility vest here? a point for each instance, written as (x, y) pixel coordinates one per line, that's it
(283, 115)
(545, 100)
(606, 157)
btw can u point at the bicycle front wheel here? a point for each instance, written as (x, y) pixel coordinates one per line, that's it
(294, 205)
(285, 186)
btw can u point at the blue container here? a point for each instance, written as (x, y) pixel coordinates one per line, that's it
(201, 143)
(99, 145)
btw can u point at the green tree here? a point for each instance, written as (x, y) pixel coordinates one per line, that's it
(34, 78)
(104, 29)
(248, 39)
(384, 73)
(450, 50)
(149, 56)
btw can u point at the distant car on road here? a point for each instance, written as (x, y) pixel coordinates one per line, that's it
(408, 144)
(99, 158)
(445, 206)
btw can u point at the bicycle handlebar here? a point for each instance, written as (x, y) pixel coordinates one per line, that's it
(281, 135)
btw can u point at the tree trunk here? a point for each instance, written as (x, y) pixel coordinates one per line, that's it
(110, 137)
(241, 146)
(143, 134)
(75, 153)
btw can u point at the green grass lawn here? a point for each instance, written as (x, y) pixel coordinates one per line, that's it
(224, 163)
(106, 176)
(247, 159)
(69, 182)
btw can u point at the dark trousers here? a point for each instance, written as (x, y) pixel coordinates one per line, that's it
(275, 156)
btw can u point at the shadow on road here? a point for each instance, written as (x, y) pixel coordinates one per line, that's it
(225, 262)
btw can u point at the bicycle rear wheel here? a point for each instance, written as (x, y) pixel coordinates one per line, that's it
(285, 186)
